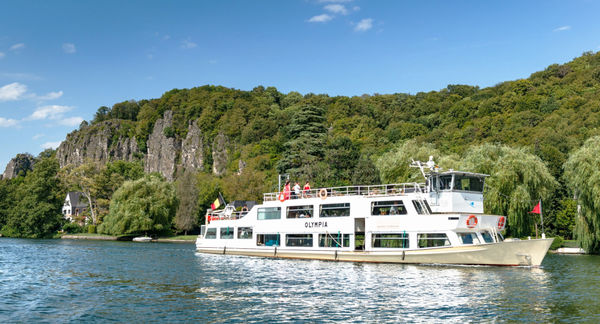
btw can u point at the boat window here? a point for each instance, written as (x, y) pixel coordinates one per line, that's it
(391, 207)
(226, 233)
(334, 240)
(468, 183)
(335, 210)
(211, 233)
(267, 239)
(269, 213)
(390, 240)
(422, 207)
(244, 232)
(432, 240)
(300, 211)
(299, 240)
(445, 182)
(487, 237)
(468, 238)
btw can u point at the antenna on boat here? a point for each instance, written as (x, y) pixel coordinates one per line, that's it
(430, 164)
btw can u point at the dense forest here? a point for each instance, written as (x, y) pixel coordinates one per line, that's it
(529, 134)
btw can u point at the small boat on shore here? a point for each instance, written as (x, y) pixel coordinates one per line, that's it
(142, 239)
(440, 221)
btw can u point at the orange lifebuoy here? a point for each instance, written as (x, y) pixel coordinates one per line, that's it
(323, 193)
(501, 222)
(471, 221)
(281, 197)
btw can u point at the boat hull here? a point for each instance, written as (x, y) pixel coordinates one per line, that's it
(507, 253)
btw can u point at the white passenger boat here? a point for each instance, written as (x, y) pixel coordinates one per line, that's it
(439, 222)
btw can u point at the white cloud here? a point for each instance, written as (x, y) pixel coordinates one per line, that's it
(17, 47)
(38, 136)
(13, 91)
(562, 28)
(50, 145)
(336, 8)
(320, 18)
(334, 1)
(187, 44)
(71, 121)
(69, 48)
(50, 96)
(49, 112)
(364, 25)
(356, 8)
(2, 55)
(4, 122)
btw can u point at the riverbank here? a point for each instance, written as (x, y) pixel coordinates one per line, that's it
(103, 237)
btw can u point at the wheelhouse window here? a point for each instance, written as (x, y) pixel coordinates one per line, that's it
(334, 240)
(468, 238)
(432, 240)
(468, 183)
(211, 233)
(334, 210)
(422, 207)
(269, 213)
(299, 240)
(487, 237)
(390, 240)
(267, 239)
(244, 233)
(226, 233)
(445, 182)
(389, 207)
(300, 211)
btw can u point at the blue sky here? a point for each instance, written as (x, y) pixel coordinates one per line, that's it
(61, 60)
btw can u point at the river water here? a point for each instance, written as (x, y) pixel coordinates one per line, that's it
(92, 281)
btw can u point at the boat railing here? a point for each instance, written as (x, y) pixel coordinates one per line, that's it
(221, 215)
(394, 189)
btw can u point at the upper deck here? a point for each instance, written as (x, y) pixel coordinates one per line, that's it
(372, 191)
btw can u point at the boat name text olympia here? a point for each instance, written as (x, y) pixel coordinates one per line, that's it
(438, 222)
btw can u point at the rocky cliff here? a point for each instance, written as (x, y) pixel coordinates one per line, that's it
(103, 142)
(22, 163)
(166, 153)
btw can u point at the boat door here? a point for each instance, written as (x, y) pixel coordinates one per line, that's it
(359, 234)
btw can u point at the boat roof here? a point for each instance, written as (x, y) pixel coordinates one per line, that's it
(482, 175)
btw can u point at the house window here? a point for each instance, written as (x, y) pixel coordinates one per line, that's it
(432, 240)
(390, 240)
(334, 240)
(299, 240)
(389, 207)
(244, 233)
(269, 213)
(267, 239)
(300, 211)
(335, 210)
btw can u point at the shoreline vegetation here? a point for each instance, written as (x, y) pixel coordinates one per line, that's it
(103, 237)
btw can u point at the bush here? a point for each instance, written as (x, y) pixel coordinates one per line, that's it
(91, 229)
(72, 228)
(558, 242)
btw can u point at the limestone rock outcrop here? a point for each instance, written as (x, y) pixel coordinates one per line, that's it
(192, 148)
(162, 149)
(96, 143)
(219, 154)
(22, 163)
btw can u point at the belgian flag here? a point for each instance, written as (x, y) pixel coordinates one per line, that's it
(218, 202)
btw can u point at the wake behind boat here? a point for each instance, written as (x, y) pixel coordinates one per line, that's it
(439, 222)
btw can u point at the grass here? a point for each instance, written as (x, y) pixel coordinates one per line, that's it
(87, 234)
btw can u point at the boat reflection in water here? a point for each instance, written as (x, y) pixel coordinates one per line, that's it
(439, 222)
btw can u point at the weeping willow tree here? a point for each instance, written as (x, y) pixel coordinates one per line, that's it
(144, 205)
(518, 179)
(394, 165)
(582, 173)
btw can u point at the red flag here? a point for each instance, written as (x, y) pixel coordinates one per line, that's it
(536, 209)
